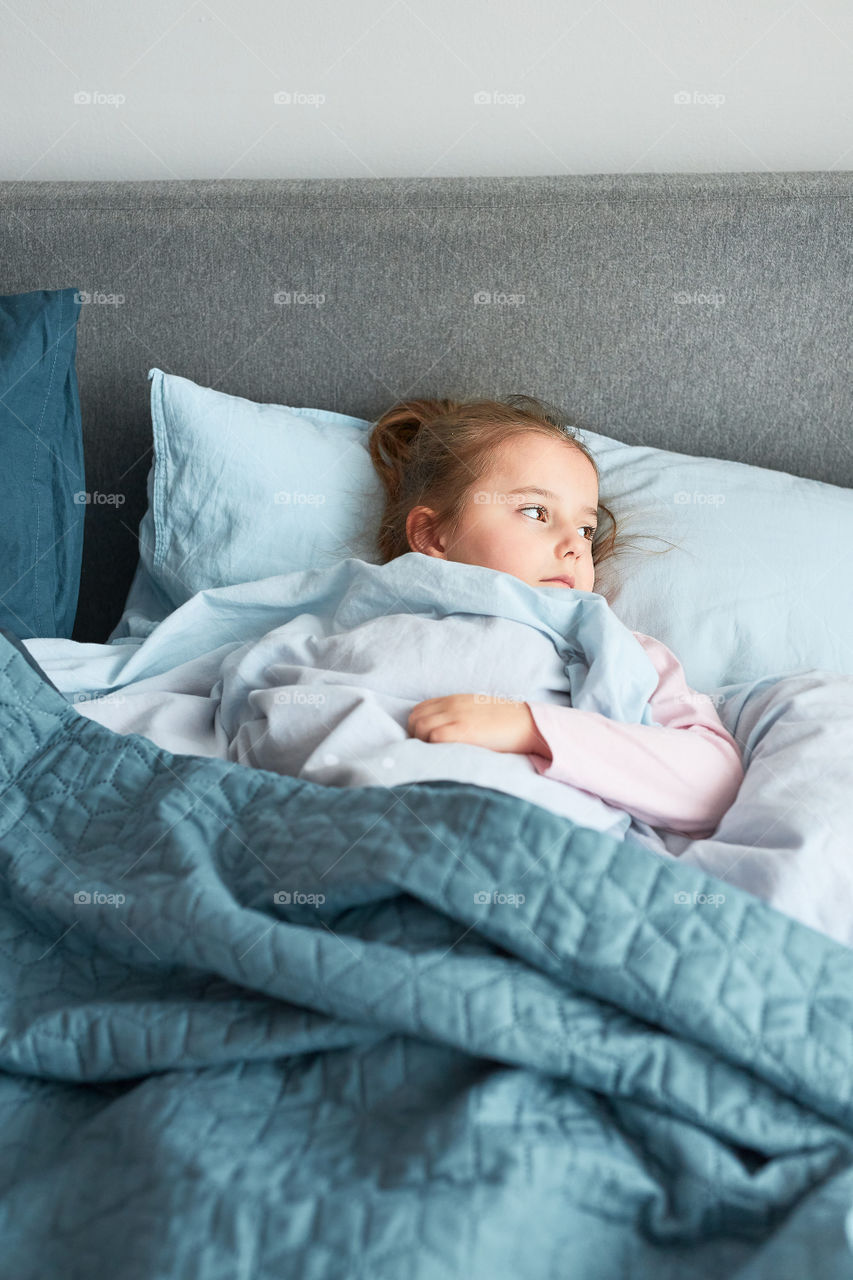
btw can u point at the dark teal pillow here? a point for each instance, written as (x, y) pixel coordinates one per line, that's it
(42, 478)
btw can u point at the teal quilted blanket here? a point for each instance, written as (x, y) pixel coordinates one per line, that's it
(255, 1027)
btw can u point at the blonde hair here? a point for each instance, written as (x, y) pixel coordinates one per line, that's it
(436, 452)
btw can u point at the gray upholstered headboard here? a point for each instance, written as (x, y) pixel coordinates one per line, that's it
(707, 313)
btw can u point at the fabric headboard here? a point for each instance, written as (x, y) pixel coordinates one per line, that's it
(705, 313)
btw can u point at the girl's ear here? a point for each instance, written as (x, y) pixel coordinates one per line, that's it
(421, 535)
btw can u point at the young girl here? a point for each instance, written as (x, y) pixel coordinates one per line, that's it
(510, 488)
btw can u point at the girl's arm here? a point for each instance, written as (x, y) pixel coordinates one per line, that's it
(681, 776)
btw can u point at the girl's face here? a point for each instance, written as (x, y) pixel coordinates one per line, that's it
(510, 524)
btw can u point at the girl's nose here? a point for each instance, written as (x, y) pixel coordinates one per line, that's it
(570, 543)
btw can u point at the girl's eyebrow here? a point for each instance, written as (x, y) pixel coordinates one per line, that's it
(546, 493)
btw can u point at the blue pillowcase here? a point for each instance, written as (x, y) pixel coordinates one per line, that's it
(42, 480)
(240, 490)
(756, 584)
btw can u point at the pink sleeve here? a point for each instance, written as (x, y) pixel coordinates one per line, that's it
(681, 774)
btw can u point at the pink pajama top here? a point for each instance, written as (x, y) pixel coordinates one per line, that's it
(681, 774)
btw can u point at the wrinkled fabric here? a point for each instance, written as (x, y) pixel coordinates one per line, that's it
(311, 1031)
(340, 657)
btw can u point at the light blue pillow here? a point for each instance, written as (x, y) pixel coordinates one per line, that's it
(240, 490)
(758, 584)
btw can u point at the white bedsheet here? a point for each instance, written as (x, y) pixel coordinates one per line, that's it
(787, 837)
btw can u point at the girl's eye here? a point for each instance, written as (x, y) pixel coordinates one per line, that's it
(536, 507)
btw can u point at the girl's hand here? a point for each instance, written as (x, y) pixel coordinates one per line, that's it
(479, 720)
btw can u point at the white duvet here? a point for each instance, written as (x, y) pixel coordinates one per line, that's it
(325, 696)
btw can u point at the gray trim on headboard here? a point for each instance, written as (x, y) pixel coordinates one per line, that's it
(706, 313)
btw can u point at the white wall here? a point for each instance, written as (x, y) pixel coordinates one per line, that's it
(186, 89)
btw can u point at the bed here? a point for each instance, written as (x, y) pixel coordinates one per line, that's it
(262, 1025)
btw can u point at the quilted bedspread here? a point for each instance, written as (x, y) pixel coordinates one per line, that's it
(257, 1027)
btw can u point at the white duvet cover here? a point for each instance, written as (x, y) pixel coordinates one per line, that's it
(314, 675)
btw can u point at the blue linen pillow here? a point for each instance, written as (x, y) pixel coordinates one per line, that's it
(756, 585)
(240, 490)
(42, 480)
